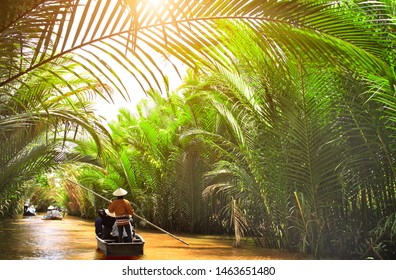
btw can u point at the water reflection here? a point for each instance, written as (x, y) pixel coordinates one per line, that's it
(31, 238)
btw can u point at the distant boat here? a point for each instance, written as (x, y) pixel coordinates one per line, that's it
(29, 211)
(52, 214)
(49, 217)
(111, 248)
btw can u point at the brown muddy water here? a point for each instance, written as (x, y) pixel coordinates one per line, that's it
(31, 238)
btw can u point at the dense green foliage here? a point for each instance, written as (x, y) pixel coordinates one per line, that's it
(282, 130)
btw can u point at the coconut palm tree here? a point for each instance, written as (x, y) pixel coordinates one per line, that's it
(38, 126)
(303, 113)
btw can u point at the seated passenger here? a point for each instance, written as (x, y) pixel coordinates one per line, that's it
(108, 220)
(99, 223)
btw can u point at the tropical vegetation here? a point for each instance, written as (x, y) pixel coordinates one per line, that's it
(281, 132)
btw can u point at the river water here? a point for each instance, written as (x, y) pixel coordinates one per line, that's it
(31, 238)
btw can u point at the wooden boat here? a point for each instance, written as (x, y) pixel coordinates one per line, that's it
(49, 217)
(29, 212)
(53, 214)
(111, 248)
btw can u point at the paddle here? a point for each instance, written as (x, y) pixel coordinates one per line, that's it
(151, 224)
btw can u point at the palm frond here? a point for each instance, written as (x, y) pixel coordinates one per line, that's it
(189, 29)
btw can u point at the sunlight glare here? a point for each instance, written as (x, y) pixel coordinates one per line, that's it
(155, 2)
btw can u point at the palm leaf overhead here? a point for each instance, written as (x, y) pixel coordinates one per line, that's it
(183, 29)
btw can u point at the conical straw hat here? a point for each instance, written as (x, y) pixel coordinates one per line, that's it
(120, 192)
(108, 213)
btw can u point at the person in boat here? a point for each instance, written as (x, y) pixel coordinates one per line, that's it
(29, 210)
(49, 210)
(53, 213)
(25, 207)
(99, 223)
(114, 233)
(104, 224)
(48, 216)
(123, 211)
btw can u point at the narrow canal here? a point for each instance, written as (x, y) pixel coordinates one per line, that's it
(31, 238)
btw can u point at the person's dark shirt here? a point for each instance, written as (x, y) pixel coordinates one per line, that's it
(98, 226)
(108, 221)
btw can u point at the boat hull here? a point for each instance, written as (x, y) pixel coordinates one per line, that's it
(111, 248)
(28, 214)
(51, 218)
